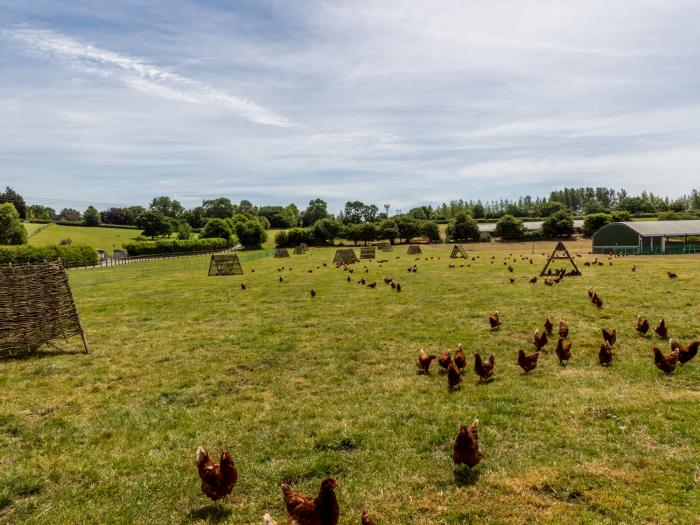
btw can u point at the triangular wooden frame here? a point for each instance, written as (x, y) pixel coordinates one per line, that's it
(458, 251)
(560, 253)
(281, 252)
(225, 264)
(413, 249)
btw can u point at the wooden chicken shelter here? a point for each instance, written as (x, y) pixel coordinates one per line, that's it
(36, 307)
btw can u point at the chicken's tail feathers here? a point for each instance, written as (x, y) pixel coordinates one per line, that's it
(202, 455)
(286, 490)
(492, 358)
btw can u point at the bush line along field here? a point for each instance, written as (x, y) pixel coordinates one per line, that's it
(300, 388)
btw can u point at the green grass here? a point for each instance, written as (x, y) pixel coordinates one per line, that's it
(300, 388)
(32, 227)
(107, 239)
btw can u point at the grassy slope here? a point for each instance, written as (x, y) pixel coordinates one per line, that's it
(299, 388)
(107, 239)
(31, 227)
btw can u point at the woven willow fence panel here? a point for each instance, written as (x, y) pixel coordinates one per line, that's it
(36, 307)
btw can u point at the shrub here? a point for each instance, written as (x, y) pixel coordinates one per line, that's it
(620, 216)
(184, 231)
(408, 227)
(75, 255)
(11, 229)
(594, 222)
(216, 228)
(560, 223)
(163, 246)
(510, 228)
(431, 230)
(389, 230)
(327, 230)
(462, 228)
(282, 240)
(251, 233)
(66, 242)
(484, 237)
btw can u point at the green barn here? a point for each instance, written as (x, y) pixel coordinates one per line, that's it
(648, 237)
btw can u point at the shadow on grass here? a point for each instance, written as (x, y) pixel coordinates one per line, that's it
(37, 354)
(212, 513)
(465, 475)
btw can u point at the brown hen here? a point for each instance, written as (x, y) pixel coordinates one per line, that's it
(685, 354)
(665, 363)
(484, 369)
(424, 361)
(218, 478)
(610, 336)
(466, 448)
(527, 361)
(305, 510)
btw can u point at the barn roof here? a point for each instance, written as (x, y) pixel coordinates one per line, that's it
(664, 228)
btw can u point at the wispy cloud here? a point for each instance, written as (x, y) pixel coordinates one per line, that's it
(137, 73)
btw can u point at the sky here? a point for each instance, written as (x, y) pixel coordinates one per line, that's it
(401, 102)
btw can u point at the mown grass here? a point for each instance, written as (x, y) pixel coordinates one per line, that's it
(107, 239)
(300, 388)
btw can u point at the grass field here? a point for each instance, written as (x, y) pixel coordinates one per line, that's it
(300, 388)
(107, 239)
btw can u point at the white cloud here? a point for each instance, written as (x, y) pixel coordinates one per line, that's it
(137, 73)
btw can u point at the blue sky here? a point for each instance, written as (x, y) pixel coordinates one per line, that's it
(401, 102)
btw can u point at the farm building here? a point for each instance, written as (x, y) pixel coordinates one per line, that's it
(653, 237)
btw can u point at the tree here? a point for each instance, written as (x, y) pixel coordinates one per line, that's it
(153, 223)
(184, 231)
(408, 227)
(196, 217)
(251, 234)
(478, 210)
(388, 230)
(317, 210)
(327, 230)
(561, 223)
(247, 207)
(510, 228)
(91, 217)
(216, 228)
(353, 212)
(463, 228)
(221, 208)
(131, 213)
(113, 216)
(11, 229)
(431, 230)
(167, 206)
(594, 222)
(547, 209)
(593, 206)
(41, 212)
(293, 215)
(353, 233)
(70, 215)
(277, 216)
(368, 232)
(16, 199)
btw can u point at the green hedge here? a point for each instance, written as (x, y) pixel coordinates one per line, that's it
(175, 246)
(74, 255)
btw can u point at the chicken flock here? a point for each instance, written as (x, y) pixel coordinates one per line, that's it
(219, 478)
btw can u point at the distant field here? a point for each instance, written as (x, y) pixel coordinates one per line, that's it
(32, 227)
(300, 388)
(107, 239)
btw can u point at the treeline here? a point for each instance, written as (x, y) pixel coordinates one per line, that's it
(358, 222)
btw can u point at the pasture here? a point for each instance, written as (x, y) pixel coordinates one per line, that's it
(298, 388)
(107, 239)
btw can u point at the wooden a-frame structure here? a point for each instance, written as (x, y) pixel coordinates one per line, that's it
(458, 251)
(560, 253)
(225, 264)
